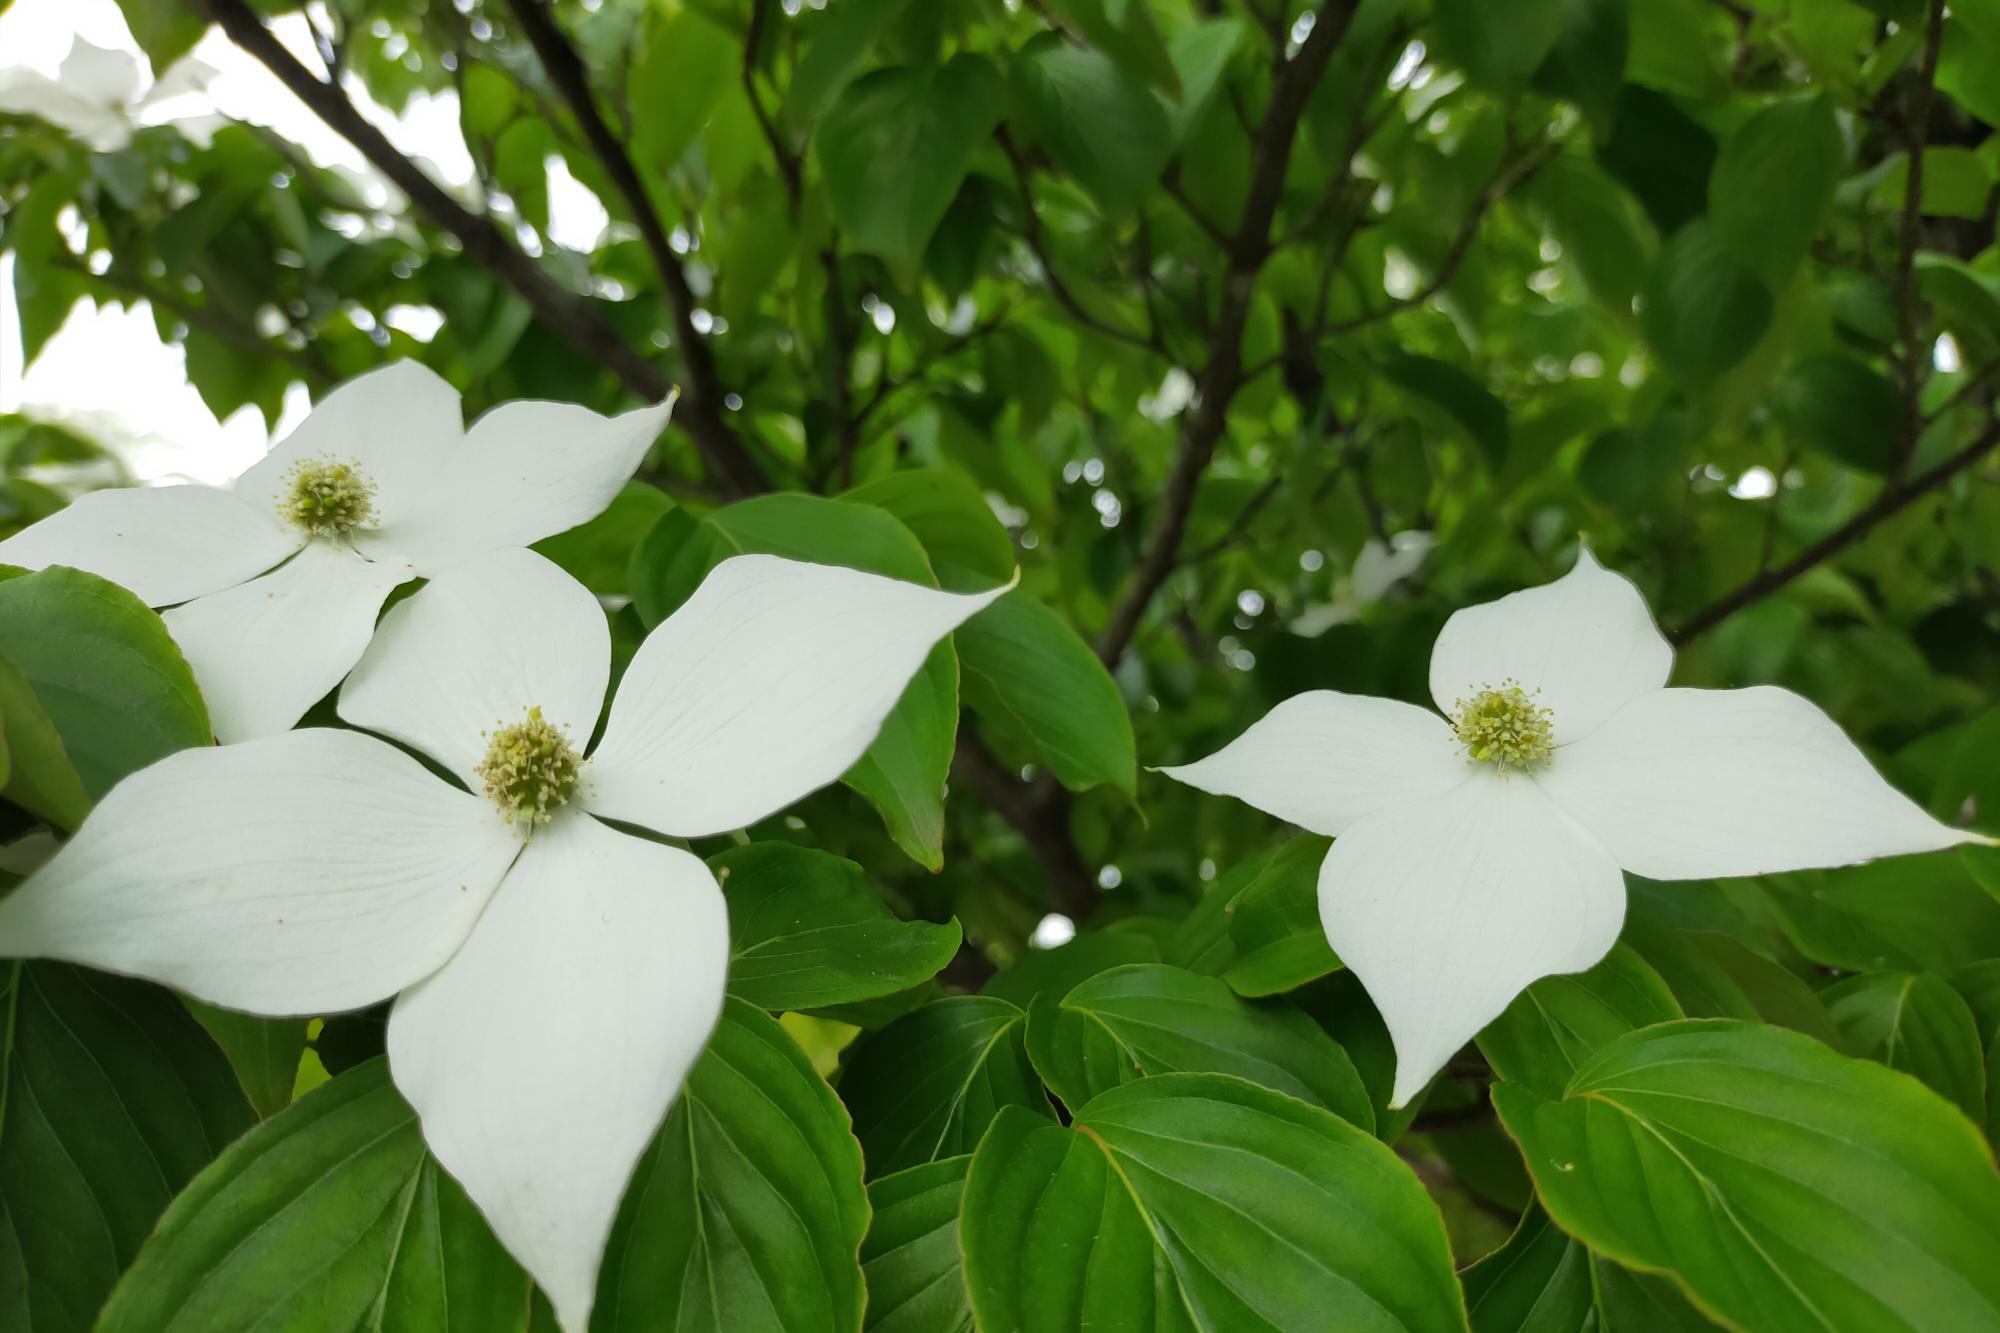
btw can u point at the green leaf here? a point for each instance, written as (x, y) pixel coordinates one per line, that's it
(328, 1215)
(1096, 122)
(1538, 1282)
(1659, 152)
(165, 30)
(926, 1086)
(842, 37)
(945, 511)
(1917, 1023)
(1559, 1022)
(896, 145)
(1125, 31)
(1704, 307)
(1715, 976)
(1843, 408)
(911, 1255)
(1198, 1201)
(1596, 223)
(1030, 676)
(1498, 46)
(264, 1052)
(1783, 1184)
(1465, 398)
(748, 1212)
(1956, 184)
(1063, 968)
(39, 776)
(1258, 927)
(903, 773)
(685, 65)
(1772, 184)
(105, 670)
(1147, 1019)
(598, 554)
(111, 1099)
(807, 931)
(1587, 62)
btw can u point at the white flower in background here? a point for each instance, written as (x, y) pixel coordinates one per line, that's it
(275, 584)
(95, 95)
(1479, 851)
(1377, 570)
(555, 977)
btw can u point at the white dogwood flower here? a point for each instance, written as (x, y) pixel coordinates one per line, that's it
(96, 94)
(275, 584)
(1478, 851)
(556, 977)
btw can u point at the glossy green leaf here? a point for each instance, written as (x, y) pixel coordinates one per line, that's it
(106, 672)
(1030, 676)
(686, 64)
(926, 1086)
(945, 511)
(1713, 975)
(598, 554)
(1059, 970)
(1542, 1281)
(264, 1052)
(897, 143)
(1125, 30)
(111, 1100)
(1559, 1022)
(1198, 1201)
(1138, 1021)
(1919, 1024)
(807, 931)
(1462, 397)
(1259, 926)
(1095, 121)
(1783, 1184)
(911, 1255)
(747, 1213)
(329, 1215)
(841, 41)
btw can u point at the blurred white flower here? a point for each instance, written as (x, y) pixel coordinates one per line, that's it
(274, 585)
(555, 977)
(1479, 851)
(1377, 570)
(96, 95)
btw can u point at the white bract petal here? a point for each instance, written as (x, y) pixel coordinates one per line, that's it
(1582, 647)
(1323, 759)
(525, 471)
(1693, 784)
(542, 1058)
(165, 543)
(99, 74)
(395, 424)
(767, 684)
(476, 649)
(303, 874)
(267, 650)
(1447, 907)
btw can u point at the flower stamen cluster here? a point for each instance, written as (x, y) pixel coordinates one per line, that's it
(530, 769)
(327, 497)
(1505, 727)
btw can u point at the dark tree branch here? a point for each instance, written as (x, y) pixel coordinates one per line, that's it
(1270, 155)
(564, 311)
(1893, 498)
(700, 409)
(788, 161)
(1040, 814)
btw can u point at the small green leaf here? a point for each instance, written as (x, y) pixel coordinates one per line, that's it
(1785, 1185)
(1068, 965)
(945, 511)
(106, 671)
(1096, 122)
(807, 931)
(1498, 46)
(841, 38)
(685, 66)
(1125, 31)
(1199, 1201)
(1705, 308)
(896, 145)
(1917, 1023)
(264, 1052)
(598, 554)
(1772, 185)
(1559, 1022)
(750, 1200)
(1715, 976)
(1843, 408)
(39, 777)
(1138, 1021)
(911, 1255)
(927, 1086)
(1468, 401)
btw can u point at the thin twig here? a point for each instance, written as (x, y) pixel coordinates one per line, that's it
(1911, 361)
(700, 409)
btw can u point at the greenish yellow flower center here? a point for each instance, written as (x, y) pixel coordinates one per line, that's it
(327, 497)
(530, 769)
(1505, 727)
